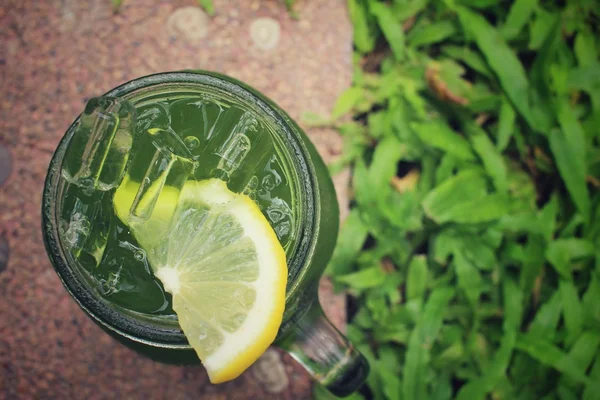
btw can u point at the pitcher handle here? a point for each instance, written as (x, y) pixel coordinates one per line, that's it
(325, 353)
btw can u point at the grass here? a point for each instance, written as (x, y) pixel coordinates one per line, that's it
(471, 249)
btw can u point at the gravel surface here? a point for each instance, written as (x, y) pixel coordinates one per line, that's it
(53, 57)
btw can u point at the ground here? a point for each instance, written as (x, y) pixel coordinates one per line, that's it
(56, 55)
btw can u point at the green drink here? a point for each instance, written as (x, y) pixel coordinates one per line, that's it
(202, 130)
(145, 140)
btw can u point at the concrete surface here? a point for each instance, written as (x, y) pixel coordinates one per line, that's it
(54, 55)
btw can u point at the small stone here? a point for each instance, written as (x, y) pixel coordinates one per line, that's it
(3, 253)
(5, 164)
(269, 371)
(265, 33)
(189, 23)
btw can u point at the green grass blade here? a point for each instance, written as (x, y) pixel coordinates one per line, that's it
(540, 70)
(584, 349)
(454, 193)
(585, 48)
(364, 37)
(470, 58)
(533, 263)
(552, 356)
(513, 306)
(496, 370)
(391, 28)
(421, 339)
(568, 148)
(560, 252)
(383, 167)
(506, 125)
(432, 33)
(545, 322)
(469, 279)
(518, 16)
(116, 4)
(350, 241)
(591, 304)
(473, 211)
(591, 392)
(403, 10)
(489, 155)
(505, 64)
(363, 279)
(572, 310)
(346, 102)
(418, 276)
(208, 6)
(441, 136)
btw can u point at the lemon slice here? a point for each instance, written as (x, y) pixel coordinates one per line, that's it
(221, 260)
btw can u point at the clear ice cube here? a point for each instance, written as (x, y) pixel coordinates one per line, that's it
(280, 217)
(250, 188)
(194, 121)
(111, 284)
(278, 211)
(161, 159)
(99, 149)
(240, 137)
(86, 225)
(153, 115)
(233, 153)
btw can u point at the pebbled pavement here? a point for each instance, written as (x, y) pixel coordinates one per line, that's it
(56, 55)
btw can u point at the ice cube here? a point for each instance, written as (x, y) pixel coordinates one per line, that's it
(239, 142)
(271, 179)
(225, 125)
(278, 211)
(197, 115)
(99, 149)
(279, 214)
(233, 153)
(86, 224)
(111, 285)
(194, 120)
(250, 188)
(160, 159)
(153, 115)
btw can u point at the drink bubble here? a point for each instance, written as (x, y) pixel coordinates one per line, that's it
(139, 255)
(191, 142)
